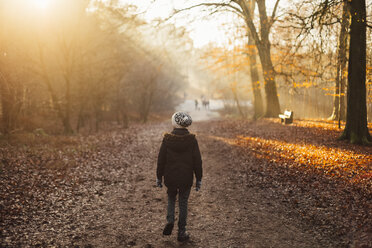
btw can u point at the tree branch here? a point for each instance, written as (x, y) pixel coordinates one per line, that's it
(249, 21)
(274, 12)
(227, 5)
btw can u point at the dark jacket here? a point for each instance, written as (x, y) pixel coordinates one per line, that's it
(179, 158)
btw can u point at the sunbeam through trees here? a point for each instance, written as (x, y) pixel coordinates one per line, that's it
(257, 113)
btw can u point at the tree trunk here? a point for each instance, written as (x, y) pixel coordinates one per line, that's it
(336, 98)
(339, 99)
(147, 97)
(356, 129)
(272, 100)
(236, 98)
(67, 73)
(11, 94)
(56, 105)
(66, 121)
(263, 46)
(255, 80)
(5, 108)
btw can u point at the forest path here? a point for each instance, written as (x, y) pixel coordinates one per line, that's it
(201, 113)
(227, 212)
(109, 198)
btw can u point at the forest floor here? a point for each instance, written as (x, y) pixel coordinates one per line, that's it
(264, 185)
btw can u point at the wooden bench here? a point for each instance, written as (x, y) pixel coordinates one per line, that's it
(287, 117)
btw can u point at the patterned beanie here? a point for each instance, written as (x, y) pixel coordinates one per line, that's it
(181, 120)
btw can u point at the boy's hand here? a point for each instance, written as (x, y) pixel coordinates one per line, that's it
(158, 183)
(198, 185)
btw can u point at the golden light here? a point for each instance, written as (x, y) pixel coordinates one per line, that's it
(41, 4)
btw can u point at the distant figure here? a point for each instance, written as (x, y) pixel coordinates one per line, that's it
(179, 159)
(206, 104)
(196, 104)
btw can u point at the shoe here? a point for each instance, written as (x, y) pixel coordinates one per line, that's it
(183, 235)
(168, 229)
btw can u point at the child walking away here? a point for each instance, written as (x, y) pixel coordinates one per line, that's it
(179, 159)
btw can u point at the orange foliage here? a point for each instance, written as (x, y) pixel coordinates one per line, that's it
(331, 161)
(323, 124)
(305, 84)
(348, 165)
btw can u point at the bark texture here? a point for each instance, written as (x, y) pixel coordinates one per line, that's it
(339, 98)
(263, 45)
(255, 81)
(356, 130)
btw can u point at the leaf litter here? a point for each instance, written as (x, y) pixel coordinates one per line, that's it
(265, 184)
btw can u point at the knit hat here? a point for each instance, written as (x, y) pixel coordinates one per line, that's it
(181, 120)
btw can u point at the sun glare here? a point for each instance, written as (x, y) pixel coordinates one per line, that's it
(41, 4)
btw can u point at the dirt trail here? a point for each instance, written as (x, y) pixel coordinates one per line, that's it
(229, 213)
(226, 213)
(111, 201)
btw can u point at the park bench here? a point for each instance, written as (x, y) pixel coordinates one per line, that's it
(287, 117)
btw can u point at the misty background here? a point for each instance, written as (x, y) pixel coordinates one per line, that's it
(75, 65)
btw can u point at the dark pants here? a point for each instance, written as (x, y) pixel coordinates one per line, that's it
(183, 197)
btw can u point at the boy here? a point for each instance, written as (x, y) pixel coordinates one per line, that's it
(179, 158)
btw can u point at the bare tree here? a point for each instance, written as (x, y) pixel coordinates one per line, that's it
(82, 65)
(356, 129)
(260, 37)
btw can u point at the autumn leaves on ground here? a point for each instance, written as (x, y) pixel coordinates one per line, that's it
(265, 185)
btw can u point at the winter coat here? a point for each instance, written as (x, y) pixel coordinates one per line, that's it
(179, 158)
